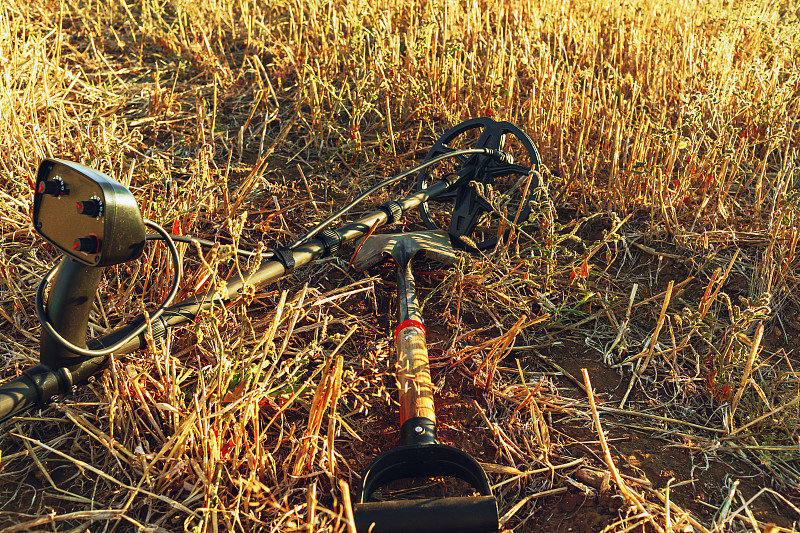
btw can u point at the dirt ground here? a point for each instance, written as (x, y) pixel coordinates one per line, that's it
(699, 481)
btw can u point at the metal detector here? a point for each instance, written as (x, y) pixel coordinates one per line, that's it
(477, 174)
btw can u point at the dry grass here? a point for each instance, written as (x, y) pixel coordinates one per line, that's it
(664, 246)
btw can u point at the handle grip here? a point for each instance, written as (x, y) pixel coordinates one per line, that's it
(71, 298)
(414, 375)
(462, 514)
(469, 514)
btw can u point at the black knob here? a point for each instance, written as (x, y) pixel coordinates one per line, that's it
(92, 208)
(90, 244)
(53, 188)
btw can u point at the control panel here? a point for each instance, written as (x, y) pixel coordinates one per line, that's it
(87, 215)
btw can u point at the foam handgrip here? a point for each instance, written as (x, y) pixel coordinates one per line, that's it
(468, 514)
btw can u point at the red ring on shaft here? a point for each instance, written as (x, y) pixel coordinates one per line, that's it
(410, 324)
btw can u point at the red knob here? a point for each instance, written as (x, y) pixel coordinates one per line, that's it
(54, 187)
(92, 208)
(89, 244)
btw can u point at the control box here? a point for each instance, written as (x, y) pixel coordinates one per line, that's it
(87, 215)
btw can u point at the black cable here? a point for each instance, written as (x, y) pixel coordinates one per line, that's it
(50, 330)
(207, 243)
(497, 154)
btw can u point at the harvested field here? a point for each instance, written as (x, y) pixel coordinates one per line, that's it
(622, 360)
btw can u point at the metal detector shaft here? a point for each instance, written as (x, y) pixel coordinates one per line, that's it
(417, 415)
(286, 260)
(419, 455)
(40, 383)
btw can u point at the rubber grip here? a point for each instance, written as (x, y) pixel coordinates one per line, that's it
(468, 514)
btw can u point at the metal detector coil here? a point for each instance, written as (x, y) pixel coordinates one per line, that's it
(489, 194)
